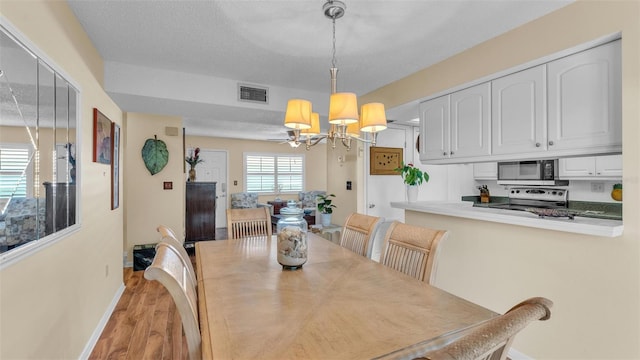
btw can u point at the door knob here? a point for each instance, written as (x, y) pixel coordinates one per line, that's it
(551, 143)
(371, 206)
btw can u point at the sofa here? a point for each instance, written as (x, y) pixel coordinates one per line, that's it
(22, 221)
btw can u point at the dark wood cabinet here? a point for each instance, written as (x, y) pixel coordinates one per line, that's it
(200, 215)
(60, 205)
(277, 205)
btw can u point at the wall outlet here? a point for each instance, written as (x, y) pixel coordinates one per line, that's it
(597, 187)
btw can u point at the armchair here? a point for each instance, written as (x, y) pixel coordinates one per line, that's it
(309, 201)
(247, 200)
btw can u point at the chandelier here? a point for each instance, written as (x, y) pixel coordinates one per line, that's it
(344, 122)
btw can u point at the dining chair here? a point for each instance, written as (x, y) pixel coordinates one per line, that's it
(167, 231)
(413, 250)
(168, 236)
(358, 231)
(169, 269)
(492, 339)
(248, 222)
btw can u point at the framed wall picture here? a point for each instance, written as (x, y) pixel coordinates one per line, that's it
(115, 166)
(101, 138)
(383, 160)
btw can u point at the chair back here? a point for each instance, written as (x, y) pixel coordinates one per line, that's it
(248, 223)
(244, 200)
(413, 250)
(168, 236)
(492, 339)
(357, 233)
(169, 269)
(167, 231)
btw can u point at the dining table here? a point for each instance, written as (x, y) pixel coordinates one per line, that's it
(339, 305)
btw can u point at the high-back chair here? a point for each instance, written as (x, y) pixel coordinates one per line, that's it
(167, 231)
(168, 236)
(357, 233)
(248, 222)
(168, 269)
(492, 339)
(413, 250)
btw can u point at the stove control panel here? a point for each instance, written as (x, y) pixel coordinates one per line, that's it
(538, 193)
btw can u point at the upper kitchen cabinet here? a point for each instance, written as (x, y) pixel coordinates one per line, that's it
(519, 123)
(434, 128)
(485, 171)
(584, 101)
(456, 125)
(590, 167)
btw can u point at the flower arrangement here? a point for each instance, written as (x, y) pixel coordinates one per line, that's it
(194, 158)
(411, 174)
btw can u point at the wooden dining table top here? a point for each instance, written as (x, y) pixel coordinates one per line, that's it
(340, 305)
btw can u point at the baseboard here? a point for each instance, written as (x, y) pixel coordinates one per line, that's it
(88, 348)
(517, 355)
(128, 264)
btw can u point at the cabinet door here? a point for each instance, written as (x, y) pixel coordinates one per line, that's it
(609, 166)
(577, 167)
(470, 121)
(485, 171)
(585, 99)
(518, 114)
(434, 128)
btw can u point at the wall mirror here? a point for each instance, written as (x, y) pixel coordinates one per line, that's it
(38, 137)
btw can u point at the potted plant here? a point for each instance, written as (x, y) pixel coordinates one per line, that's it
(412, 177)
(326, 207)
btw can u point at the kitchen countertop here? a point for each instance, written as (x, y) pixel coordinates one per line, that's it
(465, 209)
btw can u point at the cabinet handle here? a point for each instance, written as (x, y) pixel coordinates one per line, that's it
(444, 153)
(598, 173)
(452, 153)
(551, 143)
(537, 144)
(590, 173)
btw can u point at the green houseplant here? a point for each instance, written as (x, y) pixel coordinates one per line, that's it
(326, 206)
(412, 177)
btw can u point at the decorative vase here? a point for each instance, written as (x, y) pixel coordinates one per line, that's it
(412, 193)
(192, 174)
(292, 237)
(325, 219)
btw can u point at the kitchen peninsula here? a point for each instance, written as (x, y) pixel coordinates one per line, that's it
(465, 209)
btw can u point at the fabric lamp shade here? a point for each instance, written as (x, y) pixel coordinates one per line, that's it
(315, 126)
(353, 129)
(373, 118)
(298, 114)
(343, 108)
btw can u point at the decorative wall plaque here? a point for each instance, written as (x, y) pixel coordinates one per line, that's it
(384, 160)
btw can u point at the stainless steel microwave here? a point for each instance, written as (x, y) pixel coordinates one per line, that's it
(530, 172)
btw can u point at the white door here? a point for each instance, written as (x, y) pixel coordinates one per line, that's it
(214, 168)
(381, 190)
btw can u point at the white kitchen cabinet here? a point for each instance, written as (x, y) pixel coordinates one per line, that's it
(518, 122)
(434, 128)
(590, 167)
(456, 125)
(485, 171)
(585, 99)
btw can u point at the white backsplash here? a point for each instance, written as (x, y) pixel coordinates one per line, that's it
(579, 190)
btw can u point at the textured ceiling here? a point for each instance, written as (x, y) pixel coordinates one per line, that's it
(283, 45)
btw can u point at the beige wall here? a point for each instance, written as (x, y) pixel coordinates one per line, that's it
(147, 204)
(315, 160)
(346, 201)
(593, 281)
(52, 301)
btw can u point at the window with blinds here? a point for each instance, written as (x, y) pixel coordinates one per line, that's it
(271, 173)
(13, 163)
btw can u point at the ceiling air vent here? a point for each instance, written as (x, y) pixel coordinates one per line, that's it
(253, 94)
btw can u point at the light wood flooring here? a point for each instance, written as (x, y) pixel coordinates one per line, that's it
(145, 323)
